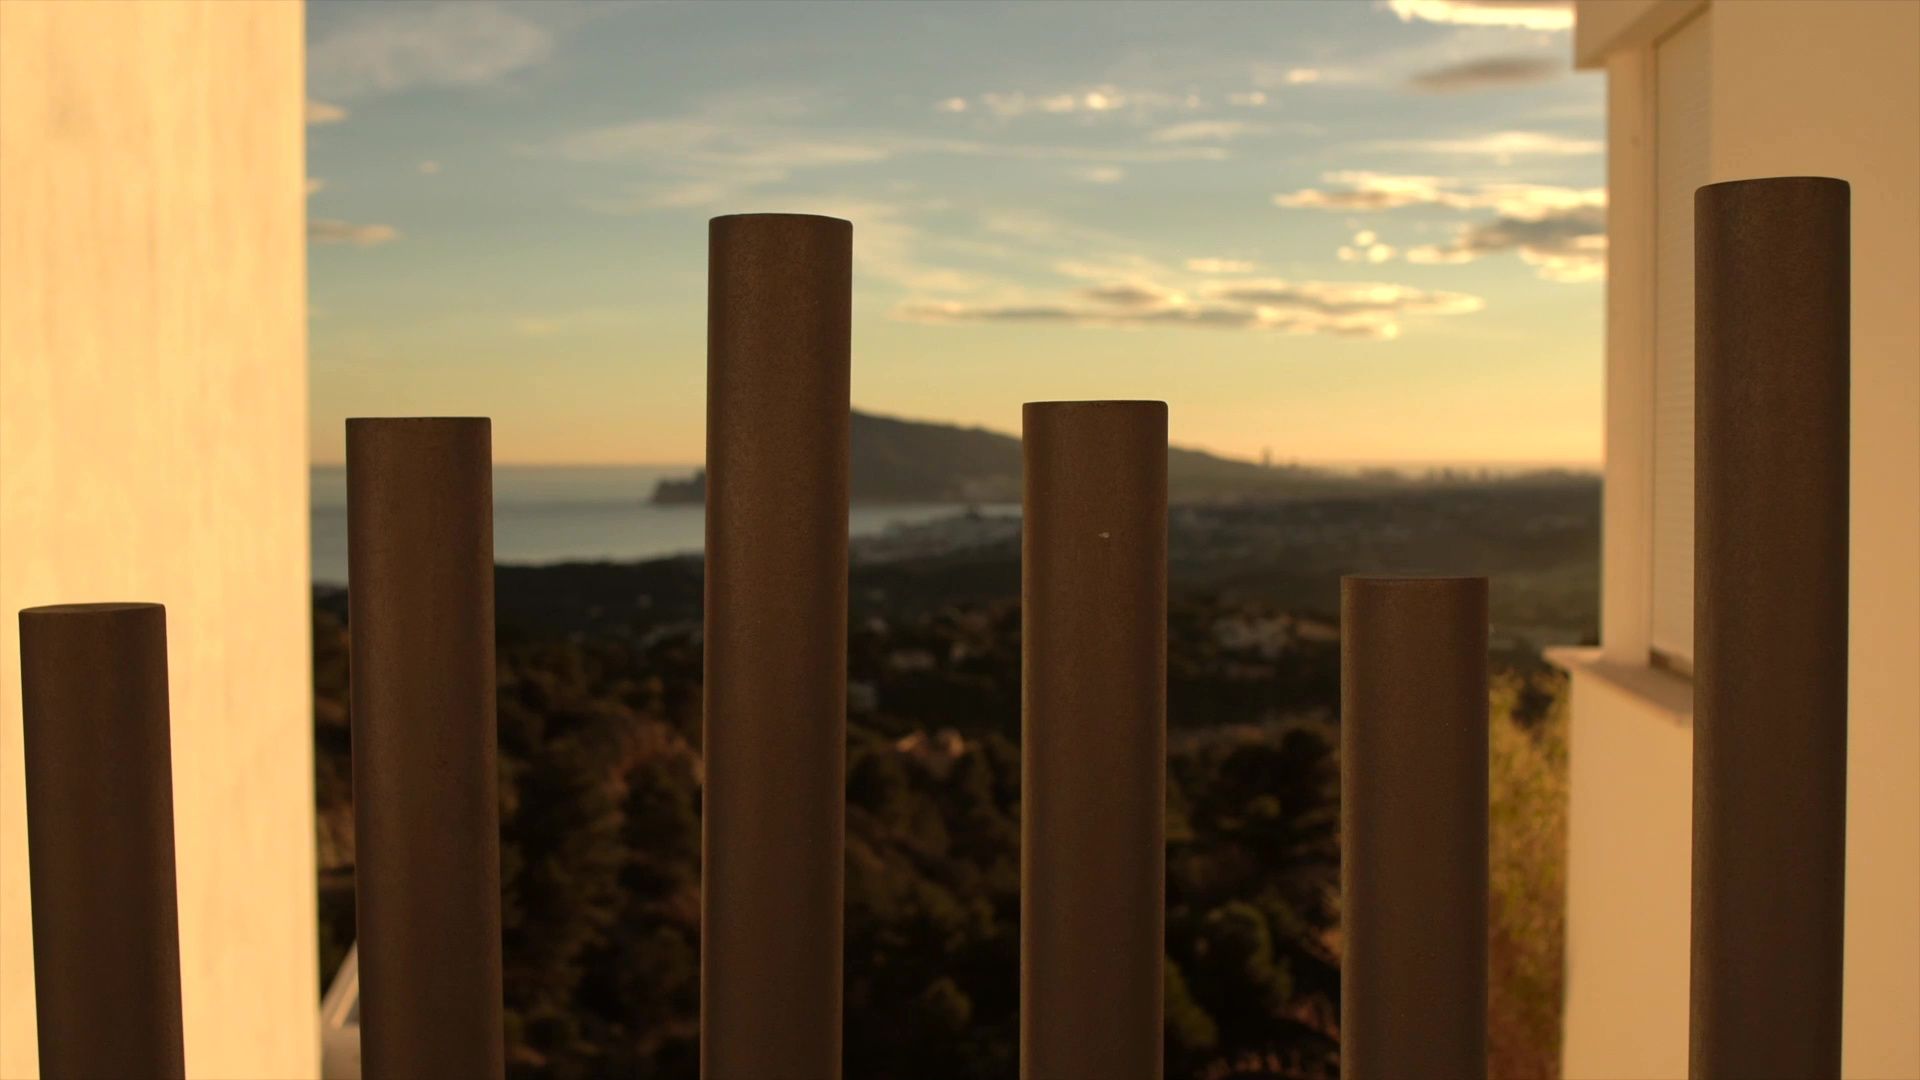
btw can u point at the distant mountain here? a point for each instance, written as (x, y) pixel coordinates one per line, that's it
(898, 460)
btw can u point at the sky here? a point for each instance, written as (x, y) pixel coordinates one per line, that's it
(1332, 231)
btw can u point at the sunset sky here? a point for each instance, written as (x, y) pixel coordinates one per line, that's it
(1347, 231)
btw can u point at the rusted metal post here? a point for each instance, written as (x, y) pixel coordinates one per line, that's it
(426, 808)
(774, 807)
(1413, 825)
(1094, 744)
(106, 939)
(1770, 627)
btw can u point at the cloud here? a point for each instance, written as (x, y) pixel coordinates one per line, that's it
(1101, 174)
(1341, 299)
(1560, 231)
(392, 47)
(428, 168)
(1564, 245)
(1221, 266)
(1366, 247)
(1488, 72)
(1203, 131)
(1502, 146)
(736, 146)
(319, 112)
(1248, 99)
(1367, 191)
(1516, 14)
(1098, 99)
(712, 156)
(1359, 190)
(1120, 267)
(1530, 202)
(332, 231)
(314, 185)
(1339, 309)
(1129, 294)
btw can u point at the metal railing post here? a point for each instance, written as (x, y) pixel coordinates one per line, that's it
(1093, 764)
(425, 781)
(774, 804)
(1770, 627)
(99, 778)
(1413, 827)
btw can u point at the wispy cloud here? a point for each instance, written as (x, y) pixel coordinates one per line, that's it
(1360, 190)
(1204, 131)
(1502, 146)
(1221, 266)
(1103, 98)
(1367, 248)
(314, 185)
(732, 147)
(320, 112)
(1101, 174)
(1560, 231)
(1340, 309)
(1564, 245)
(391, 47)
(1271, 76)
(1097, 99)
(1488, 73)
(428, 168)
(1518, 14)
(333, 231)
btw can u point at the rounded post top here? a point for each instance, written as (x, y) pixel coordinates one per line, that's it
(1775, 181)
(375, 421)
(1760, 191)
(819, 220)
(1043, 422)
(1106, 405)
(98, 609)
(447, 433)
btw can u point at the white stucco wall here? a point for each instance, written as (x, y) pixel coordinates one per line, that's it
(1798, 88)
(153, 447)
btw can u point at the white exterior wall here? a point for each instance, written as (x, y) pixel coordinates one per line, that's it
(1798, 88)
(153, 447)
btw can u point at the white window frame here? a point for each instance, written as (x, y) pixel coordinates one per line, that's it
(1626, 614)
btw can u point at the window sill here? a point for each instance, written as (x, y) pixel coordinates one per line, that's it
(1661, 692)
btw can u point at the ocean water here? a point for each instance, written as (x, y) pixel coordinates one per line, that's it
(551, 514)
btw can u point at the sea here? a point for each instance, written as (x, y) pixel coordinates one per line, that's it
(554, 514)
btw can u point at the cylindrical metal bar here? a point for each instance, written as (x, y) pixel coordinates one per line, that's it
(1770, 627)
(426, 807)
(1094, 741)
(779, 314)
(106, 939)
(1413, 827)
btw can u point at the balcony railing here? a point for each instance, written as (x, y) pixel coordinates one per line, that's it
(1770, 711)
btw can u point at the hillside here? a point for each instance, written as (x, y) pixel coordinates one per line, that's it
(896, 461)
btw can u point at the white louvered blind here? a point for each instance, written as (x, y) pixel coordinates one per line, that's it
(1681, 96)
